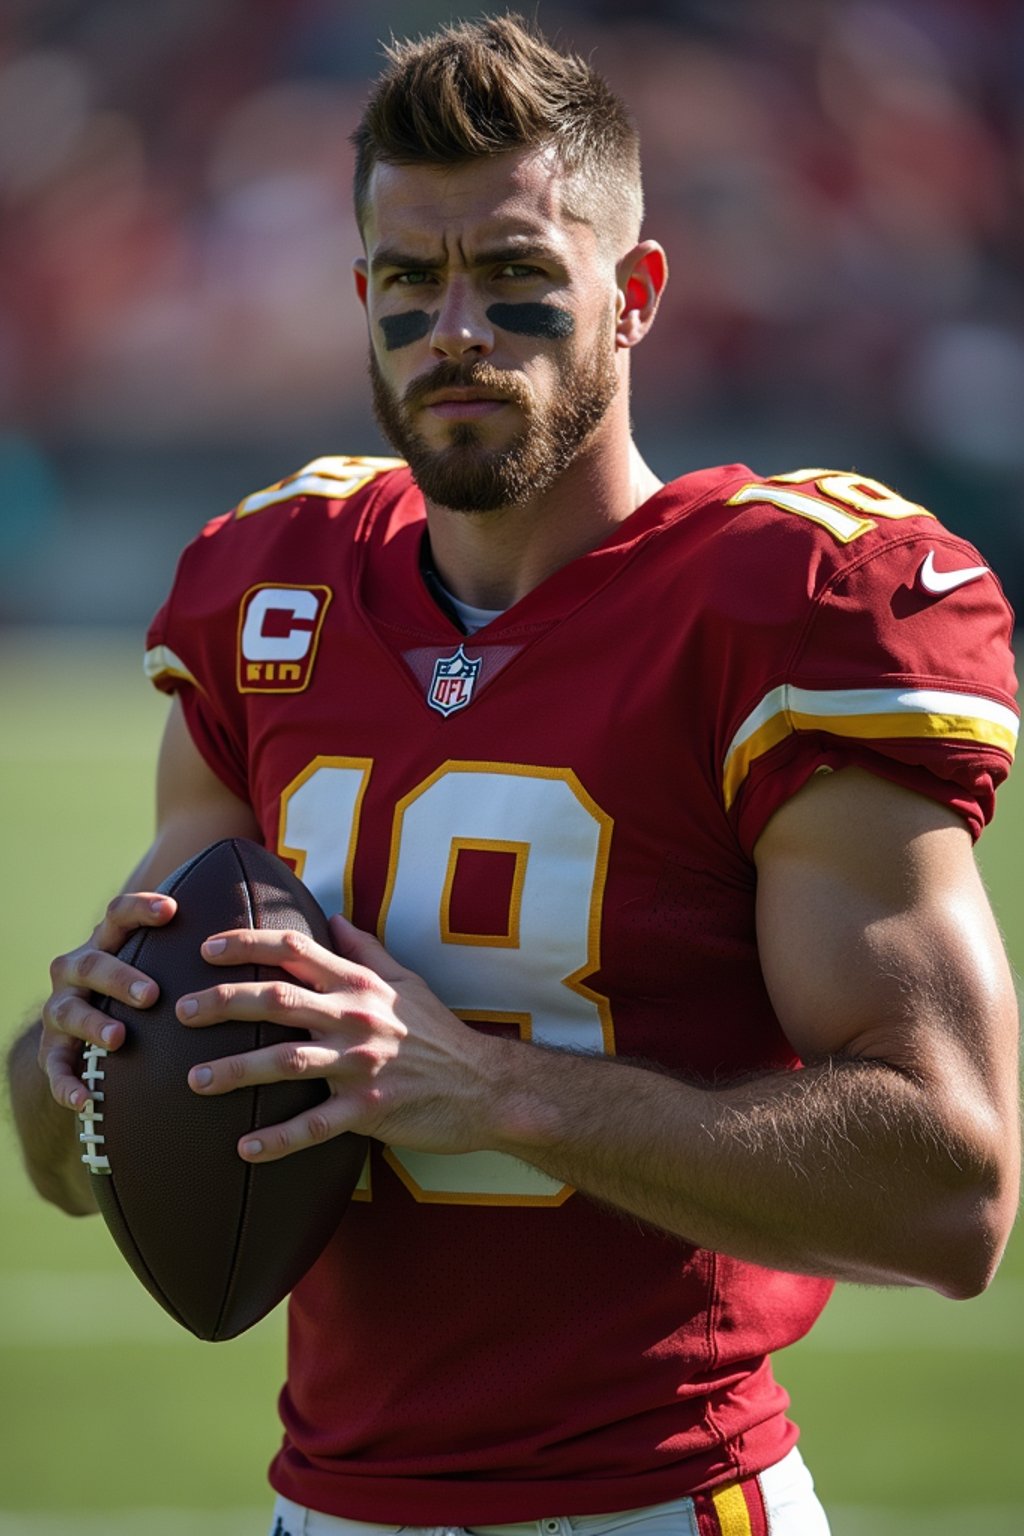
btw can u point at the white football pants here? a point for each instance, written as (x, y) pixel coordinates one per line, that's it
(787, 1490)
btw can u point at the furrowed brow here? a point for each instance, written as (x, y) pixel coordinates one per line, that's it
(524, 250)
(391, 256)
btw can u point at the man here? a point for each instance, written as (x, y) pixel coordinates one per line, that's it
(660, 800)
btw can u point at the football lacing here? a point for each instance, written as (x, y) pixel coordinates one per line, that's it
(89, 1115)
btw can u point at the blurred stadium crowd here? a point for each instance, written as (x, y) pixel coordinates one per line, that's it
(838, 184)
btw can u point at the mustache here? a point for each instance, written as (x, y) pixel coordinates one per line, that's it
(476, 375)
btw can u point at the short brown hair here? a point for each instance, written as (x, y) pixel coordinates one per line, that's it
(493, 86)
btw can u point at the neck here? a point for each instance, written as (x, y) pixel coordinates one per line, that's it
(493, 559)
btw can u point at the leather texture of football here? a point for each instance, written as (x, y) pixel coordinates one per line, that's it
(217, 1241)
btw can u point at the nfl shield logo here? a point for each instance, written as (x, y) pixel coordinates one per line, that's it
(451, 686)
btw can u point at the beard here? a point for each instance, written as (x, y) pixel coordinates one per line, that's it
(466, 476)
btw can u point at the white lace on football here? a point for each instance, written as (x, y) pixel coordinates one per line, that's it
(92, 1139)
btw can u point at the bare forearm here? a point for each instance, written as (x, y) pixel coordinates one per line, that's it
(842, 1169)
(47, 1131)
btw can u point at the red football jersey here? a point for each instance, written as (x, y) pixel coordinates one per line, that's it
(553, 822)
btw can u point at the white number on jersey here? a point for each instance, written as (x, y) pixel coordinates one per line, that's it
(868, 497)
(530, 976)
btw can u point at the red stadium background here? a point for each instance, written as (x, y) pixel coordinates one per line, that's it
(838, 185)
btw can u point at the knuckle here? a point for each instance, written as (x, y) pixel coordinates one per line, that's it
(85, 964)
(235, 1067)
(281, 1139)
(364, 1015)
(362, 1059)
(290, 1060)
(213, 1002)
(298, 943)
(56, 1011)
(281, 996)
(58, 967)
(366, 985)
(318, 1127)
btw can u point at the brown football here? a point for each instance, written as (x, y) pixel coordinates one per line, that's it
(217, 1241)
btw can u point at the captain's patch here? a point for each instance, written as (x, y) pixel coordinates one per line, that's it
(278, 633)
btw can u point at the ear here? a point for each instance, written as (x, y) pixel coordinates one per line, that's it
(360, 272)
(640, 278)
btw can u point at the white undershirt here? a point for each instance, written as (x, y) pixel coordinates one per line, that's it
(471, 618)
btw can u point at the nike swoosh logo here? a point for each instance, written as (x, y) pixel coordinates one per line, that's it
(938, 583)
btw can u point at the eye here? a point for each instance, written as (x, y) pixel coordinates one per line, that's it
(519, 269)
(412, 279)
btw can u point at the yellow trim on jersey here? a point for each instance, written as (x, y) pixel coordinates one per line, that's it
(842, 525)
(523, 1022)
(732, 1512)
(510, 938)
(336, 477)
(162, 662)
(865, 714)
(574, 982)
(868, 498)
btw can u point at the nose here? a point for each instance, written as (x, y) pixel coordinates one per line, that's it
(461, 329)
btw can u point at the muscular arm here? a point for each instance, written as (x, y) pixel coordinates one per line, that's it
(893, 1157)
(193, 809)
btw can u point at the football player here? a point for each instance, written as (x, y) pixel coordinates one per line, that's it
(647, 810)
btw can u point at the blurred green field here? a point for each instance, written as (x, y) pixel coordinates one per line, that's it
(114, 1421)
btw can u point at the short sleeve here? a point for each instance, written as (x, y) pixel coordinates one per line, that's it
(913, 684)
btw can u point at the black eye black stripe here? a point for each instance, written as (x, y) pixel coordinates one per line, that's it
(545, 321)
(403, 330)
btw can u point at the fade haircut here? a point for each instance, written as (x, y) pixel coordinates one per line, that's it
(494, 86)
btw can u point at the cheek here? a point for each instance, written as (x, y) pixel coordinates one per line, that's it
(402, 330)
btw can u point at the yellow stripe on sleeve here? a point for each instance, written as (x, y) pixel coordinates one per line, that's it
(865, 714)
(161, 662)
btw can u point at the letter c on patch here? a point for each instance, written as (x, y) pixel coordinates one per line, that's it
(279, 624)
(278, 632)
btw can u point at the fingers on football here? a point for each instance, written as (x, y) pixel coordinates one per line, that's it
(58, 1063)
(294, 952)
(94, 966)
(360, 962)
(70, 1014)
(272, 1142)
(60, 1059)
(95, 970)
(279, 1002)
(285, 1062)
(131, 910)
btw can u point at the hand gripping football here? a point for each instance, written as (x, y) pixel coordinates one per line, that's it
(217, 1241)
